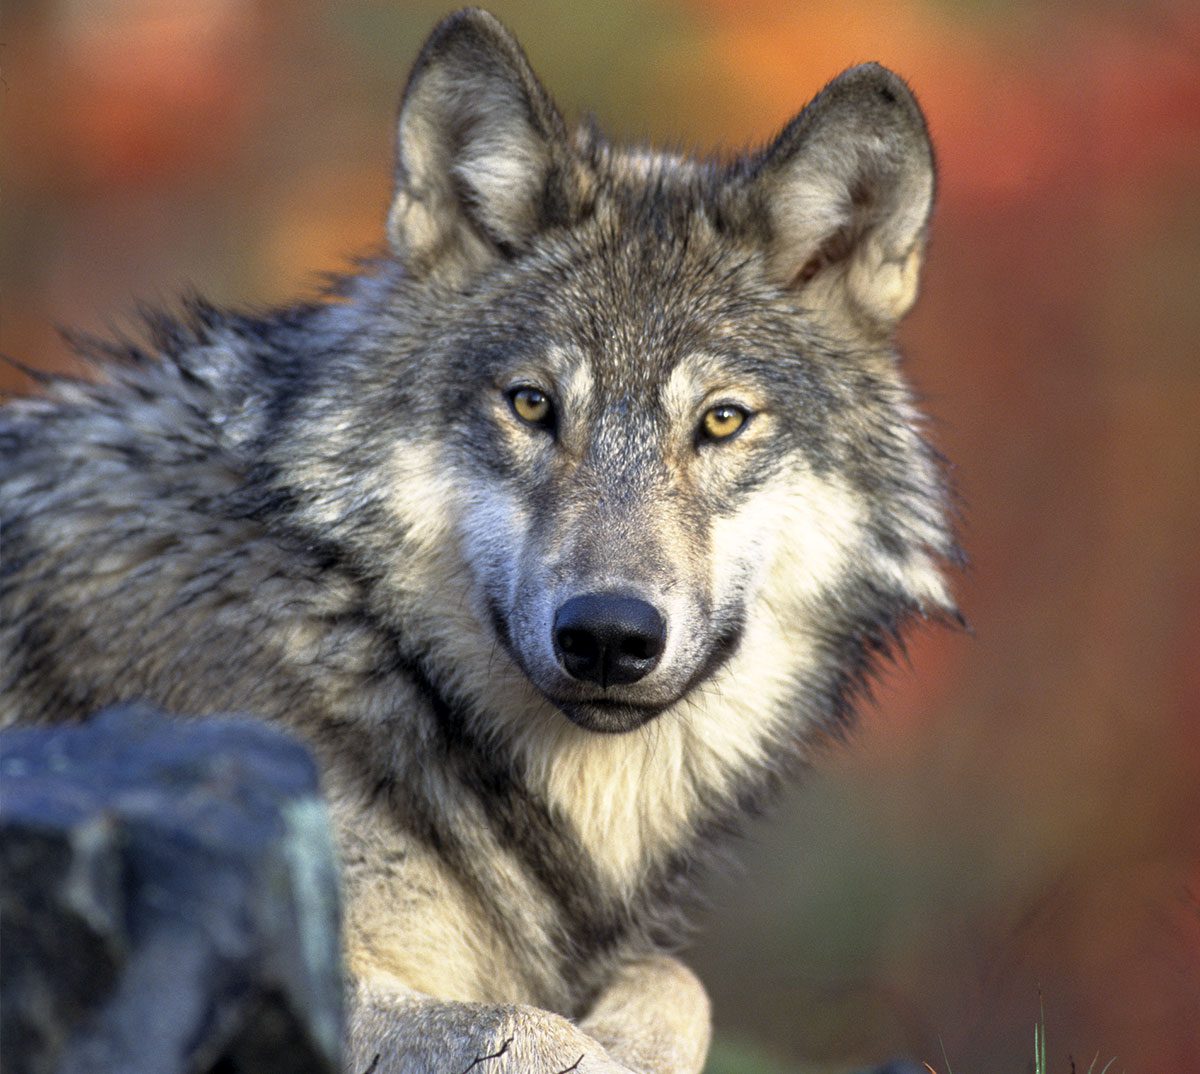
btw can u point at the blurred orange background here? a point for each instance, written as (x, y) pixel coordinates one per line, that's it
(1020, 810)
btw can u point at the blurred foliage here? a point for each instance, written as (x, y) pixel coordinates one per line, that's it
(729, 1057)
(581, 49)
(1023, 806)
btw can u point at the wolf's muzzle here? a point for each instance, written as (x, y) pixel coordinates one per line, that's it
(608, 638)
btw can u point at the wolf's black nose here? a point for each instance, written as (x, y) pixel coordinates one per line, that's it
(608, 639)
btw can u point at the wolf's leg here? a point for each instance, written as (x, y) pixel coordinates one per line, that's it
(398, 1031)
(655, 1018)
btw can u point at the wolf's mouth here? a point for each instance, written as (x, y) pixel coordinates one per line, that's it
(613, 716)
(607, 716)
(618, 715)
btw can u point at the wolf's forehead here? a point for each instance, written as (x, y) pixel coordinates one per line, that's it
(622, 384)
(641, 310)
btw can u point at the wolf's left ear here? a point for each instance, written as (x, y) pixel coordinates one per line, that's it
(847, 189)
(478, 145)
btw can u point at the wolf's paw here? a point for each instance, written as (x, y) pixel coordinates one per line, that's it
(451, 1038)
(654, 1017)
(526, 1040)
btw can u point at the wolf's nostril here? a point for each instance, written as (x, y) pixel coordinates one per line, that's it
(608, 638)
(576, 642)
(638, 648)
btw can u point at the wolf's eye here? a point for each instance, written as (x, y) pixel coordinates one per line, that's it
(722, 422)
(532, 407)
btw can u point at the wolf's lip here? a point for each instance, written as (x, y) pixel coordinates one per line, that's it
(607, 716)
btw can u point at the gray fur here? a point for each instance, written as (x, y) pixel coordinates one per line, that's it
(332, 517)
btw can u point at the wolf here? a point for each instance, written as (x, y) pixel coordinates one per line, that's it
(560, 532)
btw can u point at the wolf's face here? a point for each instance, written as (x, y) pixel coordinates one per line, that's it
(617, 436)
(637, 417)
(657, 443)
(665, 389)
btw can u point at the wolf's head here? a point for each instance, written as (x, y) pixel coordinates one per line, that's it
(644, 411)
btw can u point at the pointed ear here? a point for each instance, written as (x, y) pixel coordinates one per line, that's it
(847, 189)
(478, 141)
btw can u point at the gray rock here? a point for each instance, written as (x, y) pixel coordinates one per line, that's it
(168, 901)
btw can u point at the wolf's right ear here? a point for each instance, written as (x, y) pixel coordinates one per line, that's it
(847, 189)
(479, 143)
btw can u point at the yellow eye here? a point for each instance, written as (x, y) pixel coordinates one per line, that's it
(531, 406)
(722, 422)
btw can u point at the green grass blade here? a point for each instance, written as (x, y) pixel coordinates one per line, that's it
(945, 1057)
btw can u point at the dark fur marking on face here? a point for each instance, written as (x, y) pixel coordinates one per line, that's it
(725, 646)
(766, 466)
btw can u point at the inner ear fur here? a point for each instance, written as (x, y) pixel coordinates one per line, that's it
(478, 144)
(847, 189)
